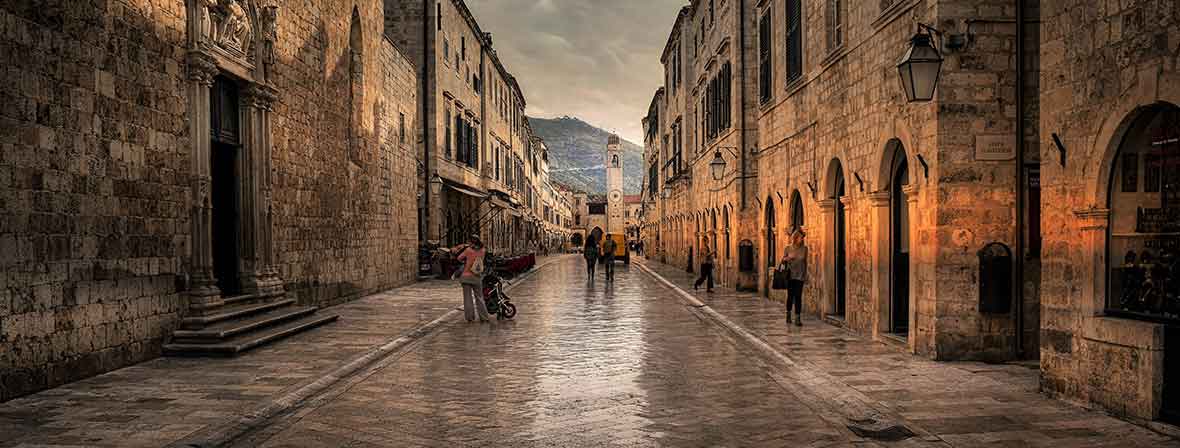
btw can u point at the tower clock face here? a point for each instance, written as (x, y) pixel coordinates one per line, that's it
(615, 196)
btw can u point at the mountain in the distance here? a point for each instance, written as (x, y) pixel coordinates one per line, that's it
(576, 151)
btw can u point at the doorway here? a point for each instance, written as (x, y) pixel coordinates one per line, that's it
(771, 253)
(899, 243)
(840, 223)
(224, 150)
(1170, 408)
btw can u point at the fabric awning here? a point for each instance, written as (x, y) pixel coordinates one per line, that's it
(499, 203)
(466, 190)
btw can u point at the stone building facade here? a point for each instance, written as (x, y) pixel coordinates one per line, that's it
(1110, 300)
(899, 200)
(171, 164)
(479, 175)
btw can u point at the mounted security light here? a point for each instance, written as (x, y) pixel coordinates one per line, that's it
(920, 67)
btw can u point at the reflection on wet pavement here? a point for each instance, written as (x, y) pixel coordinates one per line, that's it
(582, 365)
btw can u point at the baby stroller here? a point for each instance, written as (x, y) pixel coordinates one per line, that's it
(497, 301)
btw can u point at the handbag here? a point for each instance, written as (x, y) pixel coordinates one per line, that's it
(781, 276)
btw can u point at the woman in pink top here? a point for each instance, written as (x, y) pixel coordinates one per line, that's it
(472, 281)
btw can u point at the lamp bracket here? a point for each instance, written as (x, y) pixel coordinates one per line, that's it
(1060, 148)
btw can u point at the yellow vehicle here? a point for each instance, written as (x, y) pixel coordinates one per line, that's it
(621, 252)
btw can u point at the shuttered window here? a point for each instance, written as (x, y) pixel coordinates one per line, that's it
(764, 60)
(794, 39)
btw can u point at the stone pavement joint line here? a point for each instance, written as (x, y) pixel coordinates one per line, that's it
(862, 418)
(223, 435)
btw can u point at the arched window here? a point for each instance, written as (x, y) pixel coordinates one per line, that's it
(356, 73)
(1144, 203)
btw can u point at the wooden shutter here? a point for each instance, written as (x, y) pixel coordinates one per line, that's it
(794, 39)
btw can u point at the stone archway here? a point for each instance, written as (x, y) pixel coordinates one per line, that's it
(836, 236)
(770, 243)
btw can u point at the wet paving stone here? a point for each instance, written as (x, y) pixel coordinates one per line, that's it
(627, 364)
(583, 364)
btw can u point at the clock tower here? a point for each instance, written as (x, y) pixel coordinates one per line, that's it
(614, 186)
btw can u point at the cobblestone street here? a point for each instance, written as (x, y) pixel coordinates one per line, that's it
(635, 363)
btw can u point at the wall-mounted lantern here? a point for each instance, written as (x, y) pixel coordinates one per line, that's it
(920, 67)
(717, 165)
(436, 184)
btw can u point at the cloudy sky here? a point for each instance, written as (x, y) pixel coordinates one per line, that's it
(598, 60)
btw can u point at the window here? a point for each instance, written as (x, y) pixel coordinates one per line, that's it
(463, 47)
(764, 60)
(401, 127)
(446, 51)
(438, 15)
(794, 39)
(447, 145)
(460, 135)
(835, 24)
(1144, 226)
(718, 109)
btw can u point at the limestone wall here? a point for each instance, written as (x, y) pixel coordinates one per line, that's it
(342, 227)
(1102, 64)
(93, 187)
(95, 177)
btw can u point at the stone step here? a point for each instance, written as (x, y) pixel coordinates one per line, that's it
(231, 312)
(249, 298)
(247, 341)
(233, 327)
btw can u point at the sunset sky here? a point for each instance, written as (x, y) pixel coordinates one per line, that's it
(596, 60)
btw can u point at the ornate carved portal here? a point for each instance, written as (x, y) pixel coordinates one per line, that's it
(231, 45)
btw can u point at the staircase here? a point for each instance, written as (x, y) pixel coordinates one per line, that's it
(242, 323)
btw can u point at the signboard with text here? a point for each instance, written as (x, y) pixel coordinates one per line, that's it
(995, 147)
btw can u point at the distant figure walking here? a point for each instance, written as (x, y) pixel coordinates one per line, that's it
(471, 278)
(609, 246)
(707, 261)
(796, 259)
(590, 252)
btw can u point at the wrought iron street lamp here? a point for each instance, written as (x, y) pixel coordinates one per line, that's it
(920, 67)
(436, 184)
(717, 166)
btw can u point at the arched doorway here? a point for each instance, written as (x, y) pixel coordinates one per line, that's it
(576, 240)
(796, 211)
(899, 244)
(224, 151)
(839, 239)
(771, 244)
(1143, 234)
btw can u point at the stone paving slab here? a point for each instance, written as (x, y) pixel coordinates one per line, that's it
(161, 401)
(582, 365)
(963, 403)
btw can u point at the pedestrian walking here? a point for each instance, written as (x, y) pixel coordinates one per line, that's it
(590, 252)
(796, 259)
(608, 255)
(472, 257)
(707, 263)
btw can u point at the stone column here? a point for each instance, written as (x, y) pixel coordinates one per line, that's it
(1093, 224)
(257, 271)
(881, 234)
(828, 258)
(916, 258)
(203, 292)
